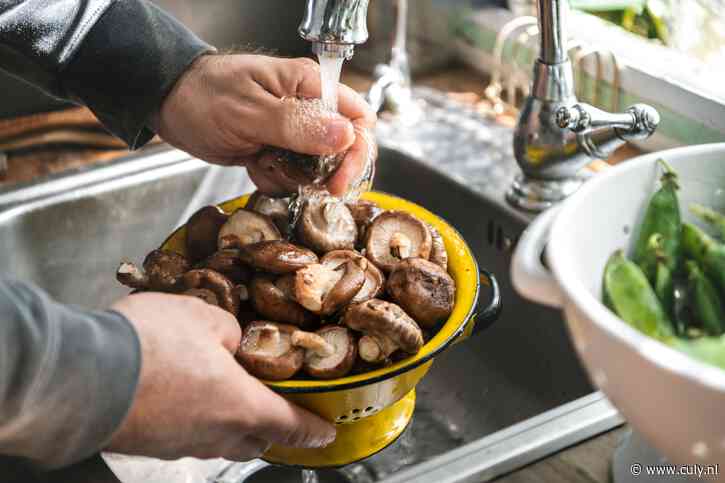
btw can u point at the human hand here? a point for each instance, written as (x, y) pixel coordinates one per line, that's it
(226, 108)
(193, 397)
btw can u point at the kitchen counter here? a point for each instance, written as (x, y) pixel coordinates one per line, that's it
(586, 462)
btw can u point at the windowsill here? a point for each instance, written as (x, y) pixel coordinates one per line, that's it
(692, 113)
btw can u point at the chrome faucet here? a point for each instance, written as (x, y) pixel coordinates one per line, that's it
(335, 27)
(556, 136)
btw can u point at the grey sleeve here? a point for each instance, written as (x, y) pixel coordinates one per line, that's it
(67, 376)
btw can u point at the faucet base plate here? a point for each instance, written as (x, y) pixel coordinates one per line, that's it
(537, 195)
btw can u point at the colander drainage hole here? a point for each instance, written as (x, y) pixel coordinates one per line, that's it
(356, 418)
(368, 409)
(355, 411)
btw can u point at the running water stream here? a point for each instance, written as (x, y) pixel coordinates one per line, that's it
(330, 69)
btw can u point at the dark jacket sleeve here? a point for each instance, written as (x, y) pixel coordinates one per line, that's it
(118, 57)
(67, 376)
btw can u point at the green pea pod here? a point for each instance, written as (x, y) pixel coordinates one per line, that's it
(710, 216)
(662, 216)
(706, 349)
(663, 282)
(706, 300)
(633, 298)
(708, 253)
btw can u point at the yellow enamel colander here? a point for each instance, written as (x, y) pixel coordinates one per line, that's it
(372, 409)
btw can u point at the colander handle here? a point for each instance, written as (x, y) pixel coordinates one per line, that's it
(483, 318)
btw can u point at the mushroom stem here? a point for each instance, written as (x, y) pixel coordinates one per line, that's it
(312, 342)
(400, 246)
(375, 348)
(131, 276)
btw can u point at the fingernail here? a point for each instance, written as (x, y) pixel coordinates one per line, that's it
(338, 133)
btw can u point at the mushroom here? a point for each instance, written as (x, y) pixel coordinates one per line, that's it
(423, 289)
(386, 328)
(228, 263)
(438, 253)
(246, 226)
(338, 354)
(363, 212)
(223, 289)
(275, 208)
(292, 170)
(277, 256)
(266, 350)
(202, 231)
(395, 236)
(324, 290)
(374, 278)
(326, 224)
(203, 293)
(162, 271)
(274, 299)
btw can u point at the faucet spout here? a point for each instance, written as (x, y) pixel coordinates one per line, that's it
(335, 26)
(552, 25)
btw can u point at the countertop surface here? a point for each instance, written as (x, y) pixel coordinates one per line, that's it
(72, 139)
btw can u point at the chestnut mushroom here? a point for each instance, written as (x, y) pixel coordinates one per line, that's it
(228, 263)
(330, 364)
(266, 350)
(326, 224)
(386, 328)
(246, 226)
(438, 253)
(423, 289)
(276, 256)
(274, 299)
(226, 296)
(292, 170)
(275, 208)
(162, 271)
(204, 294)
(363, 212)
(374, 279)
(202, 232)
(325, 290)
(395, 236)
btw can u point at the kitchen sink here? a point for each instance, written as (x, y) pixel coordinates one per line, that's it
(503, 398)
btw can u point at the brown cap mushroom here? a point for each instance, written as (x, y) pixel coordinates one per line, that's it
(324, 290)
(246, 226)
(277, 256)
(332, 358)
(423, 289)
(438, 253)
(266, 351)
(387, 326)
(394, 236)
(162, 271)
(363, 212)
(275, 208)
(274, 299)
(202, 232)
(374, 278)
(292, 170)
(204, 278)
(326, 224)
(228, 263)
(204, 294)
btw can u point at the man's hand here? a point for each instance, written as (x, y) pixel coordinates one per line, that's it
(193, 398)
(226, 108)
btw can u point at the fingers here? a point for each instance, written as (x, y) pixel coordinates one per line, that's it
(226, 327)
(363, 150)
(248, 448)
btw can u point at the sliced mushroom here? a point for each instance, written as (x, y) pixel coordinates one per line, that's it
(216, 282)
(337, 362)
(438, 253)
(275, 208)
(395, 236)
(374, 278)
(245, 227)
(423, 289)
(326, 224)
(325, 290)
(162, 271)
(384, 322)
(274, 300)
(266, 351)
(363, 212)
(202, 232)
(277, 256)
(228, 263)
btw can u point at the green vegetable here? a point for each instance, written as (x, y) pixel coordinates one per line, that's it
(710, 254)
(710, 216)
(664, 283)
(633, 299)
(663, 217)
(705, 349)
(706, 300)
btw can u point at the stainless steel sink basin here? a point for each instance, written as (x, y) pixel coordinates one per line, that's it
(475, 408)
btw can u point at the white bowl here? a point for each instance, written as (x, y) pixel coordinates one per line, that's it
(675, 402)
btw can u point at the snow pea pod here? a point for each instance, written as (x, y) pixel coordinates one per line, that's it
(663, 282)
(708, 253)
(706, 300)
(710, 216)
(633, 299)
(662, 216)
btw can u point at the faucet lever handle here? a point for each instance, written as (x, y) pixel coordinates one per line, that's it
(638, 122)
